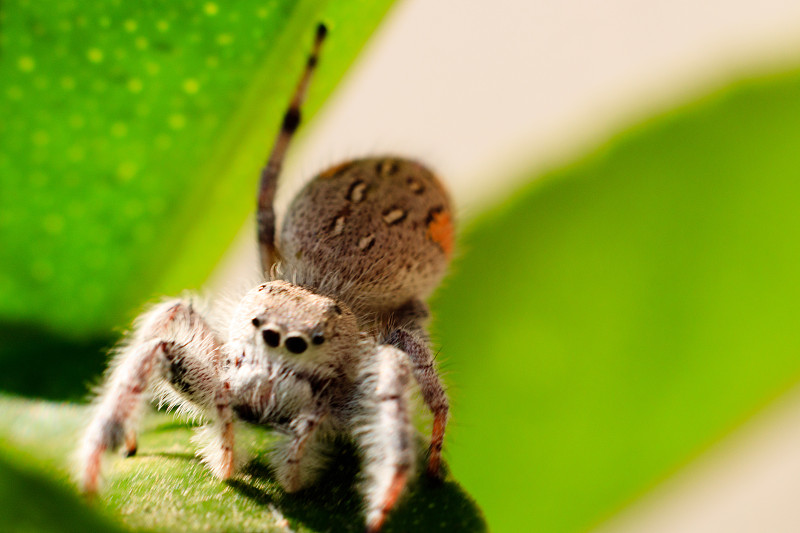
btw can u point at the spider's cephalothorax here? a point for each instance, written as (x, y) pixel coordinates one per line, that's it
(329, 348)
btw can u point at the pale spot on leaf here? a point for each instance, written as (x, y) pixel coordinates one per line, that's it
(26, 63)
(40, 138)
(95, 55)
(191, 86)
(177, 121)
(119, 129)
(126, 170)
(135, 85)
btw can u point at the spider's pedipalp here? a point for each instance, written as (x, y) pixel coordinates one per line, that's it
(299, 459)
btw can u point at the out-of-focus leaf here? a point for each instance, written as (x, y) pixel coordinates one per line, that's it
(131, 139)
(166, 488)
(30, 502)
(35, 495)
(40, 362)
(623, 313)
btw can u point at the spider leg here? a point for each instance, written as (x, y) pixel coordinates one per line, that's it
(173, 343)
(299, 460)
(131, 446)
(430, 385)
(387, 435)
(269, 175)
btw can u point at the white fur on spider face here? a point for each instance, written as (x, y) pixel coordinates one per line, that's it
(279, 324)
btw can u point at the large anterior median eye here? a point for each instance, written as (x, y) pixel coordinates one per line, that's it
(271, 337)
(296, 344)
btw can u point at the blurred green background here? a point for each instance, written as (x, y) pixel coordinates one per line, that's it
(131, 139)
(601, 327)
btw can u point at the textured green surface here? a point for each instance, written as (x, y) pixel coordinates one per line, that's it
(166, 488)
(131, 140)
(625, 312)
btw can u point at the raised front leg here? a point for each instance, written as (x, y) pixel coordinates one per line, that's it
(173, 343)
(386, 435)
(419, 353)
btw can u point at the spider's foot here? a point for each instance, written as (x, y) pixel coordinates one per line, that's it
(91, 472)
(291, 483)
(129, 452)
(226, 466)
(376, 519)
(434, 469)
(130, 445)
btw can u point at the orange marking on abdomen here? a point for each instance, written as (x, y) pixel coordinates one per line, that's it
(440, 230)
(334, 170)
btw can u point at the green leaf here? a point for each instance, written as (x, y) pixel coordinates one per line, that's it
(623, 313)
(166, 488)
(132, 138)
(30, 502)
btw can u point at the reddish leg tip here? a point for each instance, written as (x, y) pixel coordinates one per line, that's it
(392, 495)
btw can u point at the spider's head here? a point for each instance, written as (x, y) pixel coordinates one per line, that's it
(286, 321)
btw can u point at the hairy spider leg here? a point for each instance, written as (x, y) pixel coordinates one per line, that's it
(173, 343)
(387, 435)
(419, 353)
(265, 213)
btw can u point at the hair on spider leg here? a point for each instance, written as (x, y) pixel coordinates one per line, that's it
(328, 345)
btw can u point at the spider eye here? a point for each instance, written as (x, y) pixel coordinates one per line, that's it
(296, 344)
(256, 322)
(271, 337)
(318, 338)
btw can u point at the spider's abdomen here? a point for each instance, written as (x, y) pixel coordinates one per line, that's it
(373, 232)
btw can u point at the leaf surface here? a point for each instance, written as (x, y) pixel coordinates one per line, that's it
(166, 488)
(131, 141)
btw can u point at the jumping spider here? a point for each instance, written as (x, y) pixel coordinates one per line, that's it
(331, 352)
